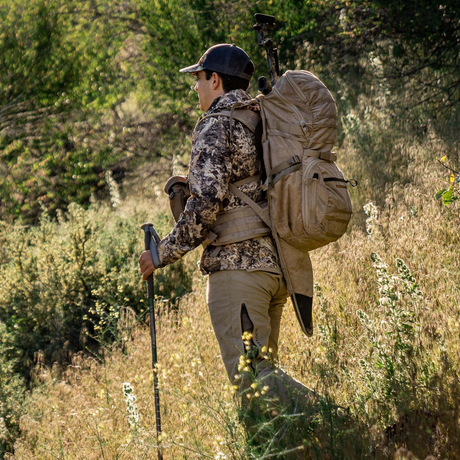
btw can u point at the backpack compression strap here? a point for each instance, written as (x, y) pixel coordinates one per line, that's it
(293, 164)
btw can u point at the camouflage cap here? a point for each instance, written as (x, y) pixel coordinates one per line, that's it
(223, 58)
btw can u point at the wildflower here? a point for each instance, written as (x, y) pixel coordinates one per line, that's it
(234, 388)
(131, 406)
(163, 436)
(372, 221)
(247, 336)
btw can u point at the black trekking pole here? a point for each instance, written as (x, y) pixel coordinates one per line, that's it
(151, 240)
(264, 27)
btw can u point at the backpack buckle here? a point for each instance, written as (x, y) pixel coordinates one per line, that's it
(304, 126)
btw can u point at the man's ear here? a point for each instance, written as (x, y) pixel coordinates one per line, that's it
(216, 81)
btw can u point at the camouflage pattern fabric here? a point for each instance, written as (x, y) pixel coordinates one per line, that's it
(215, 162)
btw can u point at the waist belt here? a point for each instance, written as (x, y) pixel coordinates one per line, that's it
(239, 224)
(242, 223)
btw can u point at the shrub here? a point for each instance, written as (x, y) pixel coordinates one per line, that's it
(64, 279)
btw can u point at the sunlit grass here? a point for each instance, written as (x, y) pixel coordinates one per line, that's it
(387, 354)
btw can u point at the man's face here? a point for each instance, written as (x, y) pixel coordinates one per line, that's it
(205, 89)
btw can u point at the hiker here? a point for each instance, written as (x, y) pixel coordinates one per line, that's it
(246, 291)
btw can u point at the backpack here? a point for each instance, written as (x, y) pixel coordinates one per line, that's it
(309, 205)
(308, 195)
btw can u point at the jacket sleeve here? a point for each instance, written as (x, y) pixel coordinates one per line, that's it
(209, 175)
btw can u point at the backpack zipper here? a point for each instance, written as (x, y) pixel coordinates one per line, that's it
(309, 202)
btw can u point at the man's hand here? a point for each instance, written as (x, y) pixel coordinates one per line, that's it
(146, 265)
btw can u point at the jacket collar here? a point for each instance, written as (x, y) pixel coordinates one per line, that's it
(227, 100)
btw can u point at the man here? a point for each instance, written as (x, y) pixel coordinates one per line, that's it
(246, 290)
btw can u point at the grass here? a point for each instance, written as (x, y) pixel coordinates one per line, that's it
(385, 347)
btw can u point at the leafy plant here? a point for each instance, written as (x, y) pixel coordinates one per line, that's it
(12, 391)
(452, 194)
(391, 370)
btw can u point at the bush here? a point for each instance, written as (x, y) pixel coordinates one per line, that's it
(60, 279)
(12, 390)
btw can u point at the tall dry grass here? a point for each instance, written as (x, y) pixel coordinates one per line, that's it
(386, 344)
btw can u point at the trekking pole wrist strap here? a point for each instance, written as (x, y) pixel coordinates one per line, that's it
(154, 254)
(152, 244)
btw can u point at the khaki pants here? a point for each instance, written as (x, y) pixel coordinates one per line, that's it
(238, 301)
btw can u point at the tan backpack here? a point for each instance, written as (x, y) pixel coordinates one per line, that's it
(308, 196)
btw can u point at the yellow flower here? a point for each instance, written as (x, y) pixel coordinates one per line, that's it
(254, 385)
(247, 335)
(443, 159)
(452, 178)
(234, 389)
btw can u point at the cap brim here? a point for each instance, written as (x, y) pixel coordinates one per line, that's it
(191, 69)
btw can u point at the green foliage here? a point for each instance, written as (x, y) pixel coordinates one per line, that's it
(412, 45)
(452, 194)
(66, 113)
(391, 371)
(12, 390)
(89, 87)
(55, 54)
(64, 280)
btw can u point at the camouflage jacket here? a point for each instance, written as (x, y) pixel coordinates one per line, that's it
(215, 162)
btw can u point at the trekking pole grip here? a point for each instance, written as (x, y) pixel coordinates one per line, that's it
(147, 240)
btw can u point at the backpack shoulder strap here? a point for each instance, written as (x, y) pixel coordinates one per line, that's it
(262, 213)
(249, 118)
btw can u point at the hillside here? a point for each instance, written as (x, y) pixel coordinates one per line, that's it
(94, 117)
